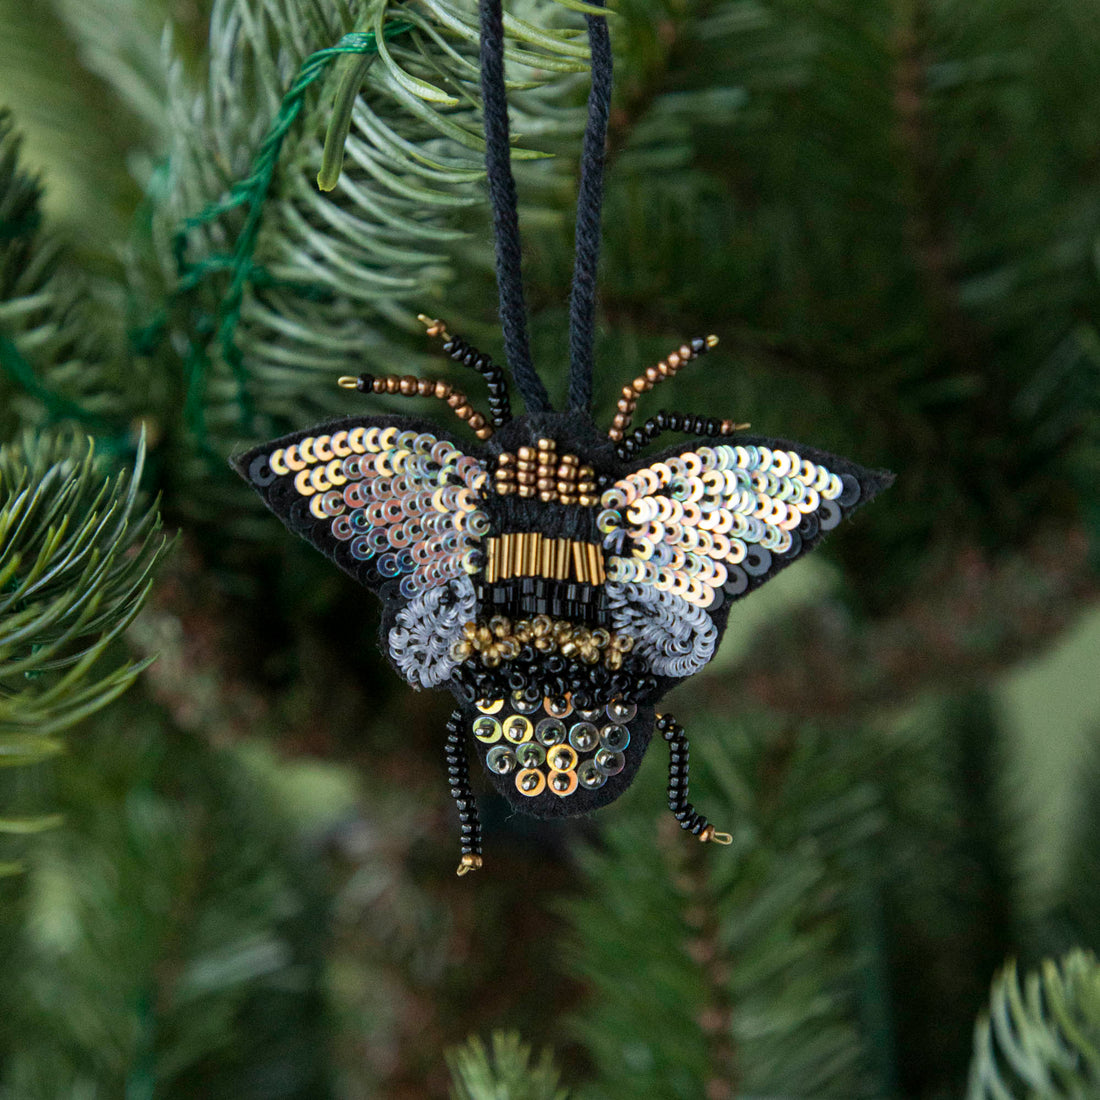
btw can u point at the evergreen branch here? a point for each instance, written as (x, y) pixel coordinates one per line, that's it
(52, 350)
(280, 282)
(505, 1072)
(742, 974)
(76, 561)
(1040, 1038)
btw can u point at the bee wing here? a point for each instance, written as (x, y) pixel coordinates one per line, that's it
(396, 504)
(707, 523)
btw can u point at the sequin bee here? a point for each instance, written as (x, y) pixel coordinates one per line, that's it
(554, 581)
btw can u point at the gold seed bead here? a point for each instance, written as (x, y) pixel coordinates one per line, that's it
(615, 435)
(425, 388)
(586, 502)
(727, 427)
(640, 385)
(393, 384)
(547, 498)
(546, 484)
(378, 385)
(484, 433)
(505, 458)
(586, 473)
(629, 395)
(663, 369)
(443, 390)
(674, 361)
(464, 412)
(547, 445)
(526, 454)
(526, 491)
(686, 354)
(652, 374)
(477, 421)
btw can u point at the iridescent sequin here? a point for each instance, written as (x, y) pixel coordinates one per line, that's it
(686, 533)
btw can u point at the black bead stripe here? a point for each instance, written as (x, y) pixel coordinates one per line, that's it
(668, 422)
(458, 776)
(685, 813)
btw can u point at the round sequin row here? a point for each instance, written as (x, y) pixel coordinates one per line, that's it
(551, 755)
(688, 519)
(501, 640)
(406, 502)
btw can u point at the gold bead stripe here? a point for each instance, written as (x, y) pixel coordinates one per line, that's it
(532, 554)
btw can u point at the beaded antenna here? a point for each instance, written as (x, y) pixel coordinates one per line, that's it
(557, 583)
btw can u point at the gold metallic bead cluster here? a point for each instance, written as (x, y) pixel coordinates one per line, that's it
(539, 471)
(532, 554)
(501, 640)
(666, 368)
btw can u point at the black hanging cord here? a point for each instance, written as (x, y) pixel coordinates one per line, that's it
(582, 301)
(502, 195)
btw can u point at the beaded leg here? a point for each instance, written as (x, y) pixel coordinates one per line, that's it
(461, 351)
(674, 422)
(684, 812)
(458, 775)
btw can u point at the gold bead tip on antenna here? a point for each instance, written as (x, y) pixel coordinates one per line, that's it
(434, 326)
(712, 341)
(347, 382)
(467, 864)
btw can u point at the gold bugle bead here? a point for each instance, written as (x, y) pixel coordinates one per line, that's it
(578, 562)
(547, 556)
(594, 564)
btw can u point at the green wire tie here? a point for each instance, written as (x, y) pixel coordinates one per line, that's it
(252, 193)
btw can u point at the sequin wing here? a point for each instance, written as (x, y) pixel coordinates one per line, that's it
(689, 533)
(398, 507)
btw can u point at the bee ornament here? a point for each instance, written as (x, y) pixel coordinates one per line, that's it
(556, 581)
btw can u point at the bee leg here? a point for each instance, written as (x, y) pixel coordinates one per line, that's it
(684, 812)
(461, 351)
(675, 422)
(458, 775)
